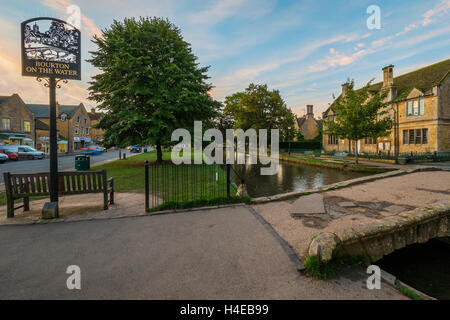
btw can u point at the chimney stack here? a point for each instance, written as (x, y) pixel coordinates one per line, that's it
(388, 76)
(309, 111)
(344, 89)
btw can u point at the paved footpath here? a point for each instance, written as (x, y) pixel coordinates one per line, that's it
(224, 253)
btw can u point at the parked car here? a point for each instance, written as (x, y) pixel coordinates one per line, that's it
(135, 149)
(103, 149)
(10, 154)
(91, 150)
(3, 158)
(26, 152)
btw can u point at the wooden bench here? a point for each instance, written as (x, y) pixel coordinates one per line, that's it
(24, 186)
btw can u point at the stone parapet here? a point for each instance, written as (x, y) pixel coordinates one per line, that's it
(376, 239)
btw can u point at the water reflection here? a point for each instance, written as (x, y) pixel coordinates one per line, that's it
(290, 177)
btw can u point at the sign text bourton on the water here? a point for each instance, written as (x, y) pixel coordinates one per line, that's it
(51, 48)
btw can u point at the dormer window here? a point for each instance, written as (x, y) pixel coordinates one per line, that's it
(63, 117)
(415, 108)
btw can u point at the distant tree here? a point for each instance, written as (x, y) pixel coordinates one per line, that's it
(149, 83)
(260, 108)
(223, 120)
(359, 114)
(300, 137)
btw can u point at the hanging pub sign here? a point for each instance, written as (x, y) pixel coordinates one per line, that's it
(51, 48)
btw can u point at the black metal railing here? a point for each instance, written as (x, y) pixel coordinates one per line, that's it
(170, 186)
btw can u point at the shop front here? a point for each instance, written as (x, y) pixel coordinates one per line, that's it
(15, 139)
(80, 142)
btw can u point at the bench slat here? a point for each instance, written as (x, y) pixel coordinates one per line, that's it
(38, 184)
(94, 181)
(78, 177)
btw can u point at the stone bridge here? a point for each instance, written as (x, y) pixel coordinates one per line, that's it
(384, 236)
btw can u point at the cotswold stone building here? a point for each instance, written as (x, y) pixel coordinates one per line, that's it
(420, 107)
(308, 125)
(17, 121)
(73, 125)
(96, 133)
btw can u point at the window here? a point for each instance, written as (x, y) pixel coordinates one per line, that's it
(421, 107)
(6, 124)
(425, 136)
(416, 107)
(78, 119)
(410, 109)
(370, 141)
(411, 136)
(418, 136)
(76, 130)
(63, 117)
(405, 137)
(87, 131)
(82, 130)
(332, 140)
(27, 126)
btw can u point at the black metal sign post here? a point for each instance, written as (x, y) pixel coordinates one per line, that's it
(51, 50)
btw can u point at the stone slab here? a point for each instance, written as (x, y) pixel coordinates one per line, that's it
(50, 210)
(347, 204)
(395, 209)
(306, 205)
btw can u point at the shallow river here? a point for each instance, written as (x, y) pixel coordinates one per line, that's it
(290, 177)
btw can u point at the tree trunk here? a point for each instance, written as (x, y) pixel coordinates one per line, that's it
(356, 152)
(159, 155)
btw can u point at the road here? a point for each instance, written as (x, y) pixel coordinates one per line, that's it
(224, 253)
(64, 163)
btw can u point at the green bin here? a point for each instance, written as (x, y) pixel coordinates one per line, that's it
(82, 163)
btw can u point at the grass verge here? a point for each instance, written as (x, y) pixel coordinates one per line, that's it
(326, 270)
(409, 293)
(337, 164)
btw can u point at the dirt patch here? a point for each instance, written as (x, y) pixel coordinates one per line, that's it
(81, 207)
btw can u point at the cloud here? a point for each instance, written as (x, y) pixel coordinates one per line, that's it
(338, 59)
(438, 11)
(217, 12)
(429, 17)
(61, 6)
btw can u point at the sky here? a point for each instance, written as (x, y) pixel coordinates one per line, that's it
(304, 49)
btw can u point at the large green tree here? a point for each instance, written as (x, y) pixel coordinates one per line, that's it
(257, 107)
(149, 83)
(360, 114)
